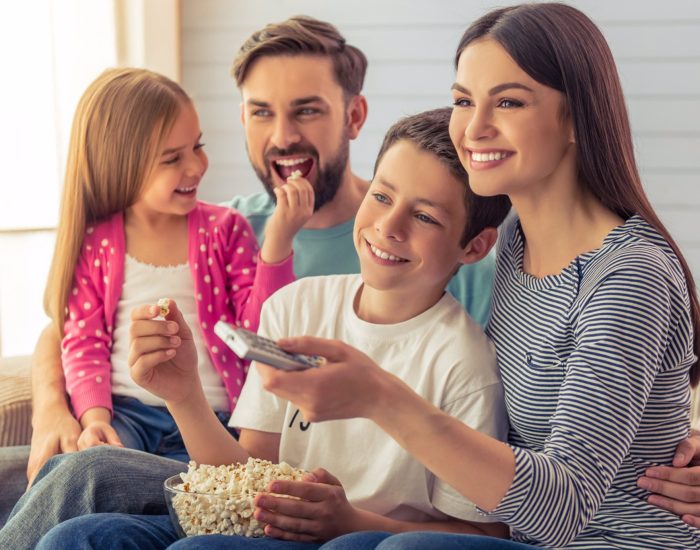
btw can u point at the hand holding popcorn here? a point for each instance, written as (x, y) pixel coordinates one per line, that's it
(162, 355)
(295, 205)
(318, 509)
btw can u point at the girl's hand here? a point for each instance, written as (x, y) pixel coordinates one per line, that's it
(320, 512)
(295, 205)
(98, 433)
(162, 355)
(347, 385)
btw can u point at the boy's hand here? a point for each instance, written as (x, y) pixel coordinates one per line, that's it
(162, 355)
(98, 433)
(295, 205)
(677, 488)
(320, 512)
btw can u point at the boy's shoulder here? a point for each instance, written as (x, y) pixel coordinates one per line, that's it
(317, 287)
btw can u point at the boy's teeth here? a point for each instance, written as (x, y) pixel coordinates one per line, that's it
(384, 255)
(485, 157)
(290, 162)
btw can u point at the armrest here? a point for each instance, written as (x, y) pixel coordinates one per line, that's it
(15, 401)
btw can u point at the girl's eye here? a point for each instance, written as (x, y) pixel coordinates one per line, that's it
(462, 102)
(172, 160)
(199, 146)
(510, 103)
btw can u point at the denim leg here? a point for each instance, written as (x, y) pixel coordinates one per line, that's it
(448, 541)
(100, 479)
(363, 540)
(13, 478)
(231, 542)
(113, 531)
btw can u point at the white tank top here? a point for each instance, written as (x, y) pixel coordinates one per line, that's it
(145, 284)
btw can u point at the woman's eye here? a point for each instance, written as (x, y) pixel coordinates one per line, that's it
(510, 103)
(462, 102)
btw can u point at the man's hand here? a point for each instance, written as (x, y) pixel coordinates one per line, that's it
(319, 512)
(677, 488)
(57, 433)
(162, 355)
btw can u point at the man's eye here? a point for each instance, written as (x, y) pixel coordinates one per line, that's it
(307, 111)
(261, 113)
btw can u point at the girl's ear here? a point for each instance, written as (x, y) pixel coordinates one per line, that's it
(479, 246)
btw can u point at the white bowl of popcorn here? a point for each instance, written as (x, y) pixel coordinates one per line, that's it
(209, 500)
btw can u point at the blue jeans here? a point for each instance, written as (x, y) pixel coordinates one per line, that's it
(370, 540)
(150, 429)
(100, 479)
(123, 532)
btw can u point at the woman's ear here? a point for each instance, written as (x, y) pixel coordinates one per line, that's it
(479, 246)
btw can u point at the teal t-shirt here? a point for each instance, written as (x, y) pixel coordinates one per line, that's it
(331, 251)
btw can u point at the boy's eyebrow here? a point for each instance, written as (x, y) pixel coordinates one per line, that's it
(496, 89)
(176, 149)
(419, 200)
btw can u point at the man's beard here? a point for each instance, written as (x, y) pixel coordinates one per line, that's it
(328, 177)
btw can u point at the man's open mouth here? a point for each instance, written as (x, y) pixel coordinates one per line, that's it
(287, 166)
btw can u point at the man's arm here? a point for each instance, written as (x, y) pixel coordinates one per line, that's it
(55, 430)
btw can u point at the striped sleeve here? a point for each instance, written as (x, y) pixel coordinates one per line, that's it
(622, 329)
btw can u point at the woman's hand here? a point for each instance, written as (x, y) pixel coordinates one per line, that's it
(295, 205)
(162, 355)
(347, 385)
(319, 512)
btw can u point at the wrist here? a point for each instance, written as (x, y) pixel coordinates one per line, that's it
(274, 253)
(94, 415)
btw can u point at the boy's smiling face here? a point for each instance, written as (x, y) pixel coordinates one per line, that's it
(408, 228)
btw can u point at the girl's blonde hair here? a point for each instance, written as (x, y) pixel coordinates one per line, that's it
(118, 128)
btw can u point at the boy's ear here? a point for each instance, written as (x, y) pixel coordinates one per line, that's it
(479, 246)
(356, 115)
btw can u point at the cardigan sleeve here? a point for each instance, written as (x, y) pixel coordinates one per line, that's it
(86, 342)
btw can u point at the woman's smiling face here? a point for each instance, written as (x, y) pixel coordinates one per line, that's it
(510, 131)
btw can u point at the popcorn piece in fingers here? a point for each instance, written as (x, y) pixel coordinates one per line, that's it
(294, 175)
(164, 305)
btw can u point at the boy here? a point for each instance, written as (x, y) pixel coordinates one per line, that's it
(417, 224)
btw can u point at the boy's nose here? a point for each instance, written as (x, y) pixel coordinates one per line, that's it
(390, 226)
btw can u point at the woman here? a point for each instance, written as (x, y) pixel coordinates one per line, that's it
(593, 320)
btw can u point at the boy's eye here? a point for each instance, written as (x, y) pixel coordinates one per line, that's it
(425, 218)
(379, 197)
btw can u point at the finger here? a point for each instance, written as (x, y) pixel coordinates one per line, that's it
(283, 506)
(310, 491)
(291, 189)
(287, 523)
(175, 315)
(144, 312)
(111, 437)
(281, 196)
(149, 344)
(683, 476)
(332, 350)
(676, 491)
(685, 452)
(142, 369)
(274, 532)
(137, 329)
(69, 443)
(674, 506)
(693, 521)
(323, 476)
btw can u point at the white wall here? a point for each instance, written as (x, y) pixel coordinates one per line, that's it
(410, 45)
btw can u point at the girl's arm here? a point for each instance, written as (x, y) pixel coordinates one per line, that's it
(621, 336)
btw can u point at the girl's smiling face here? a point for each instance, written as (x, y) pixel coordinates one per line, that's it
(511, 132)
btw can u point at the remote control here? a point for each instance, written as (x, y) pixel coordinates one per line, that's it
(248, 345)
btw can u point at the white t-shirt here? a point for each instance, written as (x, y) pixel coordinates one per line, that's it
(144, 284)
(441, 353)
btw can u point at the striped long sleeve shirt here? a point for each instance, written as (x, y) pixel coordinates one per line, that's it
(595, 366)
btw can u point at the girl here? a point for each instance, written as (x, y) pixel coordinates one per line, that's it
(594, 316)
(131, 231)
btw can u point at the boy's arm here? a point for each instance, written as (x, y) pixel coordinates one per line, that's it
(55, 430)
(322, 512)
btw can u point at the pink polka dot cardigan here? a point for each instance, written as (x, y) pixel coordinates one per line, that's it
(229, 281)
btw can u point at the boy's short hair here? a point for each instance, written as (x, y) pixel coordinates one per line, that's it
(430, 132)
(303, 35)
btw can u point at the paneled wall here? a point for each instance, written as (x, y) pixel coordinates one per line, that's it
(410, 45)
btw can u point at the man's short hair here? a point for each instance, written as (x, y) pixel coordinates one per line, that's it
(303, 35)
(430, 132)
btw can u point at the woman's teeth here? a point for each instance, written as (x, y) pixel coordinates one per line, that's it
(485, 157)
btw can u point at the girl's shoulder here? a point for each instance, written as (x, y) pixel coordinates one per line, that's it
(105, 233)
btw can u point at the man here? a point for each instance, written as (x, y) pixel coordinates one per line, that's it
(301, 105)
